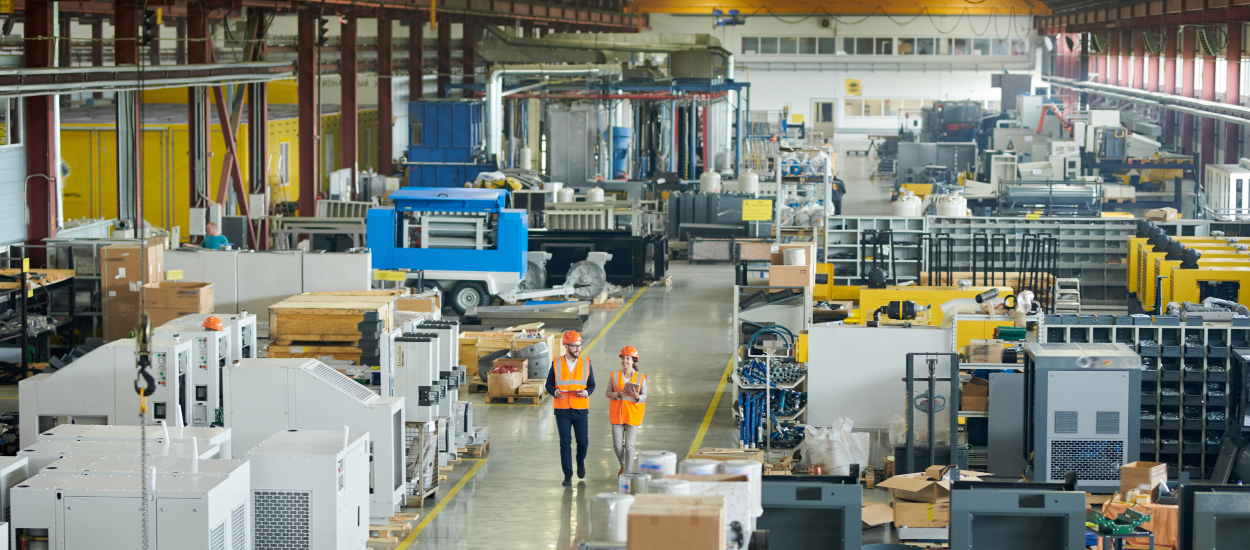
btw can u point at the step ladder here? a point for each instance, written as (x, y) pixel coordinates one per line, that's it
(1067, 295)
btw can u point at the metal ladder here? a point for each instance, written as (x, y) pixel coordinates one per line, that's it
(1068, 295)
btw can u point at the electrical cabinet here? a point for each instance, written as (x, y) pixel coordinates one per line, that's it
(240, 326)
(210, 352)
(131, 434)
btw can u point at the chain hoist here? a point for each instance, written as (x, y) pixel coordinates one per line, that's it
(145, 386)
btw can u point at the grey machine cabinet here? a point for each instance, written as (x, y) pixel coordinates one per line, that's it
(1019, 519)
(1081, 405)
(812, 512)
(1214, 517)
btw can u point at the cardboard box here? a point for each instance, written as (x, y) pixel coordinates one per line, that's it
(921, 514)
(778, 256)
(178, 295)
(121, 313)
(985, 351)
(728, 454)
(688, 522)
(755, 251)
(975, 395)
(160, 316)
(875, 513)
(121, 265)
(791, 275)
(518, 364)
(504, 384)
(1143, 476)
(920, 487)
(1162, 214)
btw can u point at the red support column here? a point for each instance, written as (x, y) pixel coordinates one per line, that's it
(1152, 72)
(1139, 61)
(40, 134)
(1187, 87)
(1113, 62)
(180, 45)
(1208, 124)
(468, 52)
(309, 113)
(386, 100)
(444, 57)
(1168, 85)
(126, 52)
(349, 132)
(1232, 91)
(97, 48)
(416, 59)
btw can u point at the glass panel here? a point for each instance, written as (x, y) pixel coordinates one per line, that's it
(961, 46)
(750, 44)
(848, 46)
(911, 104)
(863, 46)
(1000, 46)
(924, 46)
(768, 44)
(906, 46)
(789, 45)
(4, 122)
(1019, 47)
(927, 103)
(807, 45)
(981, 46)
(14, 119)
(854, 107)
(872, 107)
(885, 46)
(826, 112)
(827, 46)
(890, 107)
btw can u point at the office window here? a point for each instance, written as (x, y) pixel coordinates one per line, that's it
(848, 46)
(863, 46)
(906, 46)
(750, 44)
(961, 46)
(853, 107)
(768, 44)
(789, 45)
(889, 107)
(872, 107)
(807, 45)
(1000, 46)
(925, 46)
(827, 46)
(885, 46)
(1019, 47)
(981, 46)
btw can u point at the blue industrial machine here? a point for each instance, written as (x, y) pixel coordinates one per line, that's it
(464, 241)
(445, 143)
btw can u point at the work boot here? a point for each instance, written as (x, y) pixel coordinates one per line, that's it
(568, 481)
(581, 470)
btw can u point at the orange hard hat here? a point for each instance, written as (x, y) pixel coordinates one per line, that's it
(630, 351)
(213, 323)
(571, 337)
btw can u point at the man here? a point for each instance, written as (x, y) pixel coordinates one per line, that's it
(570, 382)
(214, 240)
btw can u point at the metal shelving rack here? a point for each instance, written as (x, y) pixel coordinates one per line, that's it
(794, 313)
(1185, 376)
(843, 235)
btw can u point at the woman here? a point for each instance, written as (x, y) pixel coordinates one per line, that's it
(627, 403)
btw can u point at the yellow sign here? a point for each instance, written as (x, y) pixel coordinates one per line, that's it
(796, 118)
(384, 275)
(173, 275)
(757, 210)
(6, 6)
(852, 86)
(25, 265)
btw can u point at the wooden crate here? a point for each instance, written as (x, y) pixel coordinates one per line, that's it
(326, 318)
(474, 345)
(311, 351)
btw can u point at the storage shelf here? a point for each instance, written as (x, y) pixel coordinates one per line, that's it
(974, 414)
(738, 382)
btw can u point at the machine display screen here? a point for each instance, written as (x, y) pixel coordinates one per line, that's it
(1019, 532)
(805, 527)
(1231, 532)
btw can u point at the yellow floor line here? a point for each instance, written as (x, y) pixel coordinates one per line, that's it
(613, 321)
(711, 408)
(442, 503)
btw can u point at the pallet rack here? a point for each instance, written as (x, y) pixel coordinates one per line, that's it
(1185, 380)
(843, 235)
(794, 313)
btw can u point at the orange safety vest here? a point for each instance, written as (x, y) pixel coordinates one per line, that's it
(624, 411)
(569, 382)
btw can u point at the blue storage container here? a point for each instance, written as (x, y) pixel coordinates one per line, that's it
(445, 138)
(445, 175)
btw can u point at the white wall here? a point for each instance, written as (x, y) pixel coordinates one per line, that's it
(796, 81)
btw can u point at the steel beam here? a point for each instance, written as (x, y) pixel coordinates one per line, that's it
(1208, 124)
(258, 134)
(1169, 81)
(386, 100)
(309, 113)
(197, 49)
(180, 46)
(1232, 91)
(444, 58)
(236, 174)
(1113, 51)
(1189, 35)
(416, 59)
(349, 132)
(468, 53)
(129, 169)
(41, 168)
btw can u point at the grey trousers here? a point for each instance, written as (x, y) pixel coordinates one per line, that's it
(623, 438)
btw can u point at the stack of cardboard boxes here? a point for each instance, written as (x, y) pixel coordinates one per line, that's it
(123, 273)
(689, 522)
(780, 274)
(924, 499)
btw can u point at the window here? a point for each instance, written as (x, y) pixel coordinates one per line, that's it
(284, 162)
(925, 46)
(911, 105)
(750, 44)
(885, 46)
(327, 152)
(863, 46)
(1000, 46)
(981, 46)
(889, 107)
(906, 46)
(807, 45)
(1019, 47)
(768, 44)
(961, 46)
(10, 121)
(824, 112)
(853, 107)
(848, 46)
(789, 45)
(827, 46)
(872, 107)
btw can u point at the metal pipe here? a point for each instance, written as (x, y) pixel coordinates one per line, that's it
(1226, 112)
(494, 91)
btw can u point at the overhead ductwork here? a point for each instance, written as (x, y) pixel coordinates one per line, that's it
(495, 92)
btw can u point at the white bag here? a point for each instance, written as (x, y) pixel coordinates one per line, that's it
(836, 448)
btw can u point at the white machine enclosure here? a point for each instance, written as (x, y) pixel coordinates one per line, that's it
(98, 388)
(45, 453)
(240, 326)
(210, 352)
(81, 509)
(266, 396)
(1228, 190)
(414, 375)
(130, 434)
(310, 489)
(13, 470)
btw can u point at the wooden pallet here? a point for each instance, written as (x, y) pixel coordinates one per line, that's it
(304, 351)
(418, 501)
(608, 303)
(477, 387)
(389, 532)
(1121, 200)
(476, 451)
(313, 340)
(512, 399)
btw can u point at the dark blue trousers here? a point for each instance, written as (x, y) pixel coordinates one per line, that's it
(572, 420)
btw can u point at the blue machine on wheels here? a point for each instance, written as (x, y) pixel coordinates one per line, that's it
(465, 241)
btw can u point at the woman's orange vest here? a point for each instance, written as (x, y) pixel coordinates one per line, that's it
(624, 411)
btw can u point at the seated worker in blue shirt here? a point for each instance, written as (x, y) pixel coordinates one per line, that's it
(214, 240)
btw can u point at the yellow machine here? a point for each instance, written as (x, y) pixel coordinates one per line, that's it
(1193, 285)
(872, 299)
(1149, 259)
(1167, 268)
(1138, 247)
